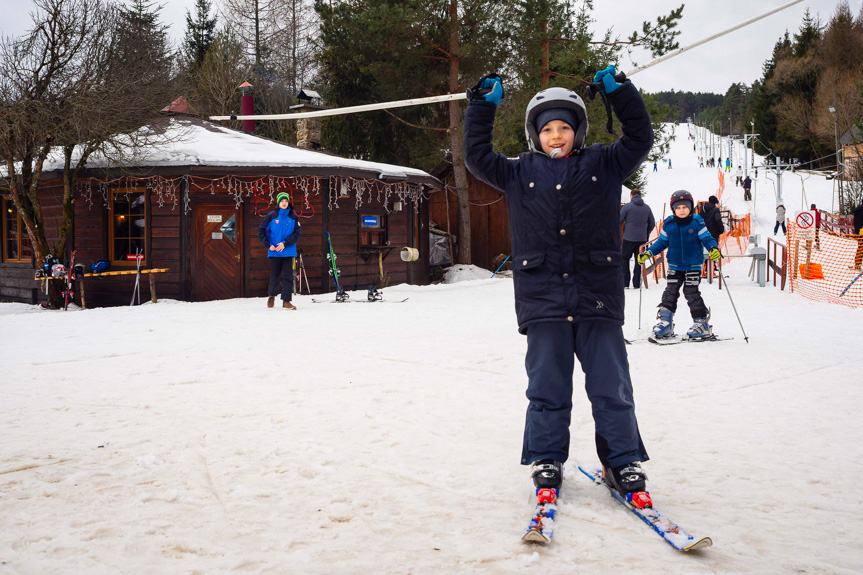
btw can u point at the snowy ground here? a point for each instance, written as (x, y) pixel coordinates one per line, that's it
(226, 437)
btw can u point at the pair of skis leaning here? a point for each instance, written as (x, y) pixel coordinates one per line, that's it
(541, 526)
(341, 295)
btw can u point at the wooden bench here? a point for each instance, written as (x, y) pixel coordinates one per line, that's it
(152, 273)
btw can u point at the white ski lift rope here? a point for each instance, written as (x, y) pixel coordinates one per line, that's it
(463, 96)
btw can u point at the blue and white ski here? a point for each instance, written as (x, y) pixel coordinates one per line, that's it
(673, 534)
(541, 526)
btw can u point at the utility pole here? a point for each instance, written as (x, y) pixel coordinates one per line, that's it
(833, 111)
(779, 168)
(752, 123)
(746, 139)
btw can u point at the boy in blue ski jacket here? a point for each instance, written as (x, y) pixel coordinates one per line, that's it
(279, 232)
(563, 201)
(684, 234)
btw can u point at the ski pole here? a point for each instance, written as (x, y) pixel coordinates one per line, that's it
(734, 307)
(136, 289)
(501, 265)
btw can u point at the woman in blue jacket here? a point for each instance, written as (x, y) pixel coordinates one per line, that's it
(279, 233)
(683, 234)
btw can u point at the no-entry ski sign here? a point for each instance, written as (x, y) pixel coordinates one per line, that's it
(805, 219)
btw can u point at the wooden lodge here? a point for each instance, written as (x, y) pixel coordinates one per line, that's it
(193, 205)
(489, 218)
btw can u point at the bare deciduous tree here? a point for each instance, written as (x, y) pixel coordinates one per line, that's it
(82, 80)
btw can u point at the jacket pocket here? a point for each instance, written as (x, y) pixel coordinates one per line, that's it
(529, 275)
(604, 275)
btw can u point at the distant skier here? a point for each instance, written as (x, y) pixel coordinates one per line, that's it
(683, 234)
(563, 201)
(780, 220)
(739, 180)
(728, 165)
(654, 167)
(747, 186)
(279, 232)
(669, 163)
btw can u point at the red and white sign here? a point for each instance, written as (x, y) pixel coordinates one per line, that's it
(805, 220)
(133, 257)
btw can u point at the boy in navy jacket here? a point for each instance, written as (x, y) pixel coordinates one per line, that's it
(683, 234)
(563, 201)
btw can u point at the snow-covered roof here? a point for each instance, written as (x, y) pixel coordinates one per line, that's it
(191, 141)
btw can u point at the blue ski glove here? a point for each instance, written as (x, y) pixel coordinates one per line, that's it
(488, 89)
(607, 78)
(643, 257)
(714, 254)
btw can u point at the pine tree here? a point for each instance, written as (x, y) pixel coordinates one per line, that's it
(200, 32)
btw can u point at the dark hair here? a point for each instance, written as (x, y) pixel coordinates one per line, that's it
(634, 192)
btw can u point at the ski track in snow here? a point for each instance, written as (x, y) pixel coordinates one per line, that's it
(225, 437)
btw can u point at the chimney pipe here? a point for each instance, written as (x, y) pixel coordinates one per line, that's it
(247, 106)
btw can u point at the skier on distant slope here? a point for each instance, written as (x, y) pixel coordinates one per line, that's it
(683, 234)
(563, 201)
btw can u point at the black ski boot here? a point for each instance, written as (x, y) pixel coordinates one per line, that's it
(627, 478)
(546, 474)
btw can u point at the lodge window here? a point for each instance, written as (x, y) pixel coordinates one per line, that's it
(16, 242)
(373, 230)
(127, 225)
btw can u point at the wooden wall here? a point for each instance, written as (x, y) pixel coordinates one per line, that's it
(163, 244)
(489, 219)
(16, 279)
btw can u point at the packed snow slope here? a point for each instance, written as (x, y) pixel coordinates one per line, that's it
(225, 437)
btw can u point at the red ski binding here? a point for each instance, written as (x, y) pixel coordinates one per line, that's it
(639, 499)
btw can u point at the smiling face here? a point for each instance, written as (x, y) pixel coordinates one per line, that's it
(557, 135)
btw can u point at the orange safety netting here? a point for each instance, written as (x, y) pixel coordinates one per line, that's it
(721, 187)
(825, 266)
(735, 241)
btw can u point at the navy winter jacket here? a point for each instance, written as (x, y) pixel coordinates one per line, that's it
(563, 215)
(638, 220)
(712, 219)
(280, 226)
(684, 243)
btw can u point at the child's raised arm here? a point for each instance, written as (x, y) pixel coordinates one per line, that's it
(483, 162)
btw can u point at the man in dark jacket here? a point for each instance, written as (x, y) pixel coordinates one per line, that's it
(638, 222)
(713, 217)
(563, 201)
(747, 185)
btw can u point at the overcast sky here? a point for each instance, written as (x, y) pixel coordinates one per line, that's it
(713, 67)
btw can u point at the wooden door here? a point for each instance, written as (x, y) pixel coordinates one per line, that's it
(218, 252)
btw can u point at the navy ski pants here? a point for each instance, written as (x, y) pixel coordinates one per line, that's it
(281, 277)
(551, 351)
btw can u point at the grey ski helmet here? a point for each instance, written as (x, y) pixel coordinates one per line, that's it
(555, 98)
